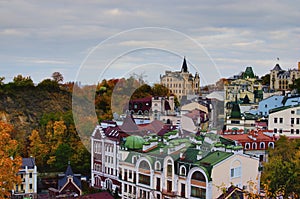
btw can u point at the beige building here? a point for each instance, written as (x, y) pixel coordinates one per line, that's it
(281, 79)
(181, 83)
(191, 167)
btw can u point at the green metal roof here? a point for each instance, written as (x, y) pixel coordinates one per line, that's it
(215, 157)
(134, 142)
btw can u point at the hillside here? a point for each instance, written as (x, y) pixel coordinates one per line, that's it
(24, 107)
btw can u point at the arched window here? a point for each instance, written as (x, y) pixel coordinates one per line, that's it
(197, 175)
(182, 170)
(262, 145)
(271, 145)
(247, 146)
(157, 165)
(144, 165)
(169, 168)
(254, 145)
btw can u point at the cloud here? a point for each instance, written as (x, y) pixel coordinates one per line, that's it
(233, 33)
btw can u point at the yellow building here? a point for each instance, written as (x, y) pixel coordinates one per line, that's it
(247, 89)
(181, 83)
(281, 79)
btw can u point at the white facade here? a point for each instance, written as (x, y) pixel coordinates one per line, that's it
(28, 173)
(145, 178)
(285, 121)
(104, 161)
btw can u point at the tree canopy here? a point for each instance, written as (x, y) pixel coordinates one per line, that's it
(281, 174)
(10, 161)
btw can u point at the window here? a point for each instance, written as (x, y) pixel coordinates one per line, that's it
(157, 165)
(169, 185)
(298, 111)
(297, 131)
(198, 192)
(30, 186)
(275, 119)
(262, 145)
(266, 106)
(298, 121)
(292, 120)
(280, 130)
(158, 184)
(247, 146)
(30, 175)
(144, 179)
(235, 172)
(275, 130)
(254, 145)
(292, 131)
(271, 145)
(281, 120)
(182, 190)
(182, 171)
(169, 170)
(292, 112)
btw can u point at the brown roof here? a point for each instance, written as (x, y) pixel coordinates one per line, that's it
(104, 195)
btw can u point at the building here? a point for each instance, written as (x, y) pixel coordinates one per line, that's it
(153, 108)
(105, 148)
(69, 185)
(285, 120)
(247, 89)
(181, 83)
(267, 104)
(105, 141)
(281, 79)
(28, 173)
(254, 142)
(183, 167)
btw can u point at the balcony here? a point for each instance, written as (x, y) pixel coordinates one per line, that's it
(168, 193)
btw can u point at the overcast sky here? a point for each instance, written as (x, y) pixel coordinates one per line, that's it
(88, 40)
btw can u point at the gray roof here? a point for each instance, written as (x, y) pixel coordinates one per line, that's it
(29, 162)
(277, 67)
(63, 178)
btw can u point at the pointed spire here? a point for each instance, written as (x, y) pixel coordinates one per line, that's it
(69, 171)
(184, 66)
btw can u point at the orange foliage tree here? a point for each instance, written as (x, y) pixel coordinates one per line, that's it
(10, 161)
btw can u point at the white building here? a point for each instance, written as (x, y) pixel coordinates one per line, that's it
(179, 170)
(28, 173)
(285, 121)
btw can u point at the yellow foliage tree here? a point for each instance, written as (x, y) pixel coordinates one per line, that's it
(37, 149)
(10, 162)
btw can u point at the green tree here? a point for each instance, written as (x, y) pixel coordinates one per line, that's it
(281, 173)
(2, 80)
(63, 154)
(49, 85)
(265, 79)
(19, 80)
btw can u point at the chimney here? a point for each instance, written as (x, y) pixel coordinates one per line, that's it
(299, 66)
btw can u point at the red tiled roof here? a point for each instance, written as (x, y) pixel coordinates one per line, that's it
(257, 136)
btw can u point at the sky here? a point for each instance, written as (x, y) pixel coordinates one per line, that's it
(91, 40)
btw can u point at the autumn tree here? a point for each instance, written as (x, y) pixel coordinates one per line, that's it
(37, 148)
(10, 161)
(58, 77)
(281, 173)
